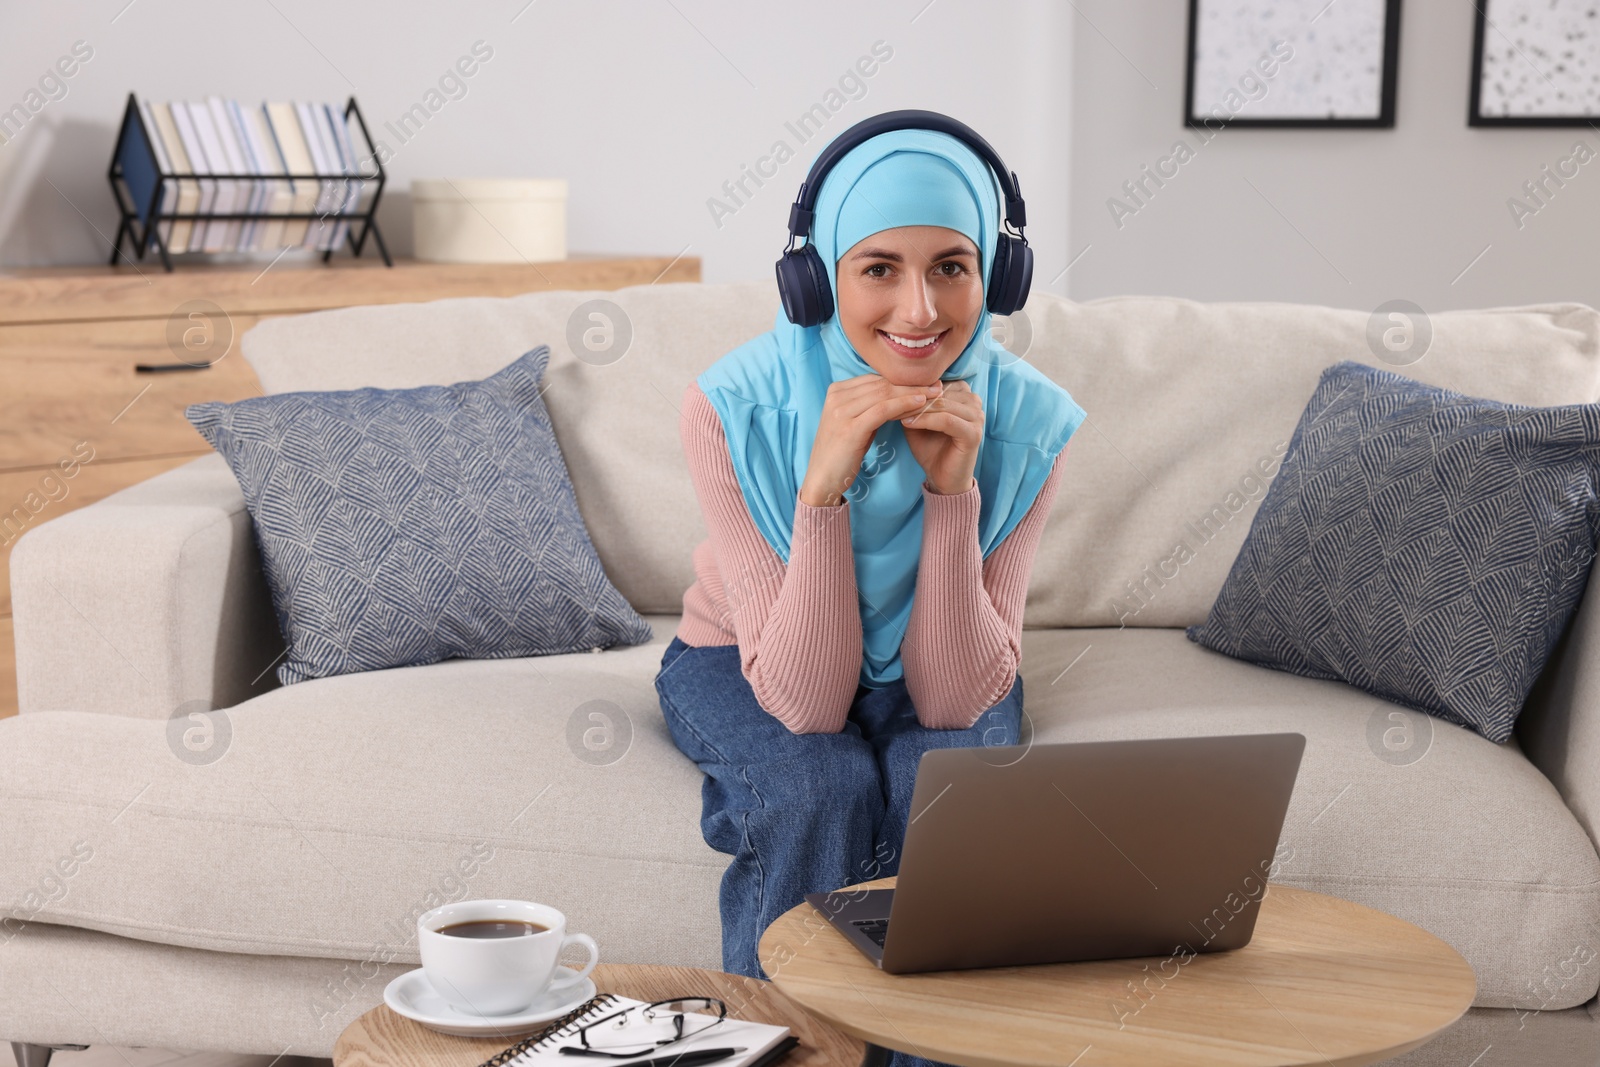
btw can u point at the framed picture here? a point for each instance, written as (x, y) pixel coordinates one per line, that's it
(1317, 63)
(1535, 63)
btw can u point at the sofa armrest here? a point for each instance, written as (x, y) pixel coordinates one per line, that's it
(1559, 728)
(145, 601)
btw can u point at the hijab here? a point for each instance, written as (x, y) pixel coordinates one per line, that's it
(768, 393)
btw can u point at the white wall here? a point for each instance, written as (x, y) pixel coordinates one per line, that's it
(1350, 218)
(646, 106)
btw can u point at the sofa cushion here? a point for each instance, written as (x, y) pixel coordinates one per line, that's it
(1392, 808)
(1191, 407)
(320, 819)
(615, 411)
(343, 807)
(405, 526)
(1422, 545)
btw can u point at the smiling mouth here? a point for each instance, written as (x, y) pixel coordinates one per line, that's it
(913, 347)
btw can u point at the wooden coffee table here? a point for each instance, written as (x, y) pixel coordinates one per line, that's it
(380, 1038)
(1323, 981)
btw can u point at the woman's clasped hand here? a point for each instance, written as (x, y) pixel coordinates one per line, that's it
(942, 423)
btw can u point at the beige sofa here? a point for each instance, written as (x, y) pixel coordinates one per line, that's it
(249, 880)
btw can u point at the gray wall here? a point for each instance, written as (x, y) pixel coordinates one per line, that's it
(1350, 218)
(646, 107)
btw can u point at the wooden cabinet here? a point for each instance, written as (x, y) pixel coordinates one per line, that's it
(70, 338)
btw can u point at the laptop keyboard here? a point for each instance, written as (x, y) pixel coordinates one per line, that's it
(876, 929)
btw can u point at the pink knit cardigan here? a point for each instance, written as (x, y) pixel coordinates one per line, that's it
(798, 627)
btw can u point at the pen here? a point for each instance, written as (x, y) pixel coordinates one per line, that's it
(683, 1059)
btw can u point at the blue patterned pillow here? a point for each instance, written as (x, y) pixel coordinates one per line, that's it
(407, 526)
(1422, 545)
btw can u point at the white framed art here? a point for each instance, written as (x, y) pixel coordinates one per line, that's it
(1292, 63)
(1535, 63)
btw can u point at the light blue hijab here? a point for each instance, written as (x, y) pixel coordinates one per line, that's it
(769, 391)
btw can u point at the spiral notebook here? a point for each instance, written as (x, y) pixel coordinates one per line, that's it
(763, 1044)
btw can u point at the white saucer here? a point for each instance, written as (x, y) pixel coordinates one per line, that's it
(413, 996)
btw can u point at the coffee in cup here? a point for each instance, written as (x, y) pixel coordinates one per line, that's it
(492, 928)
(496, 957)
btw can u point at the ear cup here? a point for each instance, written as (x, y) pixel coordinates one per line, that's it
(808, 298)
(1011, 276)
(803, 287)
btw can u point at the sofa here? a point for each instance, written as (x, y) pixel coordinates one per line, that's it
(196, 857)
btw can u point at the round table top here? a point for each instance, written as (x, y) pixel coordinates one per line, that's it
(1322, 981)
(381, 1038)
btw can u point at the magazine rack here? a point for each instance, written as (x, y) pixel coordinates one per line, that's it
(141, 187)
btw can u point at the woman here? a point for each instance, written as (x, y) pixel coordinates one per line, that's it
(874, 488)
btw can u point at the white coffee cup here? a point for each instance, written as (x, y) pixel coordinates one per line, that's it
(497, 975)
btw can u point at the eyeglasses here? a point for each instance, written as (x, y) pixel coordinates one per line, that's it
(640, 1030)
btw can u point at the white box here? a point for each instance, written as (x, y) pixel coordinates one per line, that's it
(489, 220)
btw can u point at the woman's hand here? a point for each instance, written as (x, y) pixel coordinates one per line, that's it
(944, 437)
(851, 414)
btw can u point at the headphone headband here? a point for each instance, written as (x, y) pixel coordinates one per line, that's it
(803, 278)
(802, 211)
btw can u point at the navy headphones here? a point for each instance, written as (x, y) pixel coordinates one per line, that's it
(803, 277)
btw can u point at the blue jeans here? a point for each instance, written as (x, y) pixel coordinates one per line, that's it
(800, 813)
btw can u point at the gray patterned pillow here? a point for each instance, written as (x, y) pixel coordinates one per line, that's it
(406, 526)
(1422, 545)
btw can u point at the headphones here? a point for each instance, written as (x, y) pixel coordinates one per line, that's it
(803, 277)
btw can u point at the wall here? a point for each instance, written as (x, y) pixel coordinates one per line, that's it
(646, 106)
(1350, 218)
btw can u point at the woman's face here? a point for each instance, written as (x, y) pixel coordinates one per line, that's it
(908, 300)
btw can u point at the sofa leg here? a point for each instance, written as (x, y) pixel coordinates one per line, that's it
(37, 1055)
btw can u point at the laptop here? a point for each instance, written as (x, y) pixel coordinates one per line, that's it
(1058, 853)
